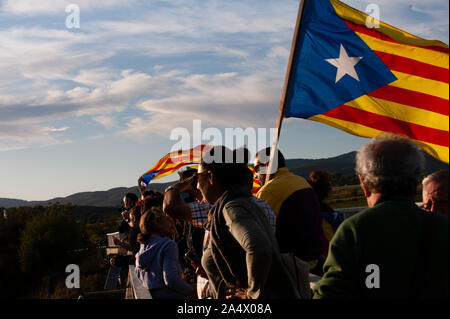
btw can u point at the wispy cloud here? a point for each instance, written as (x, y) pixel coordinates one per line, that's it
(13, 137)
(58, 129)
(427, 19)
(157, 65)
(49, 7)
(215, 99)
(106, 121)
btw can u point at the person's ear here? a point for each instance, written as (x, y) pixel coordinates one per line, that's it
(367, 192)
(212, 179)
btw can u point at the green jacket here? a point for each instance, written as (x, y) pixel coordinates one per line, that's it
(387, 235)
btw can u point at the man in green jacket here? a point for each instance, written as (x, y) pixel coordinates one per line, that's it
(393, 249)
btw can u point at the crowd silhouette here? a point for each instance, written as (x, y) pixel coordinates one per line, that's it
(208, 236)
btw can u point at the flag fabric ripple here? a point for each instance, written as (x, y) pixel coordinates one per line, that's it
(369, 80)
(170, 163)
(173, 161)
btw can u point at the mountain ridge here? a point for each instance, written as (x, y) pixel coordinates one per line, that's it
(341, 166)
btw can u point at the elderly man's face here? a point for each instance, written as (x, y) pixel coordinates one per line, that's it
(435, 198)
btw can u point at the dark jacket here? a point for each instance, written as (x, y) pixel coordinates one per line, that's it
(390, 235)
(299, 221)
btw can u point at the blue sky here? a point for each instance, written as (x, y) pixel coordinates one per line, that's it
(92, 108)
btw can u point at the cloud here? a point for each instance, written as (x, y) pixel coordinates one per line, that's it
(13, 137)
(427, 19)
(106, 121)
(159, 65)
(50, 7)
(97, 77)
(113, 96)
(224, 99)
(23, 119)
(60, 129)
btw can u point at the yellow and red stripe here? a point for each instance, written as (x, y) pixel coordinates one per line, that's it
(173, 161)
(416, 104)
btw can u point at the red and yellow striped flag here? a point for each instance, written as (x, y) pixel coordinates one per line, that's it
(173, 161)
(397, 83)
(170, 163)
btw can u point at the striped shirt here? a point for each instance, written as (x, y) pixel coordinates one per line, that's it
(200, 211)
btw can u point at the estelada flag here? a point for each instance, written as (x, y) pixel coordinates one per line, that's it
(173, 161)
(368, 80)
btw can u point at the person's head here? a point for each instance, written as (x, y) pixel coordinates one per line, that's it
(135, 216)
(221, 169)
(192, 193)
(261, 164)
(187, 173)
(148, 193)
(435, 192)
(129, 200)
(321, 183)
(153, 199)
(389, 165)
(155, 223)
(247, 179)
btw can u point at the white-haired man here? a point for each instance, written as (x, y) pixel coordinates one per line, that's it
(393, 249)
(435, 192)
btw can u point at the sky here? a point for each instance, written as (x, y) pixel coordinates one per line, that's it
(93, 107)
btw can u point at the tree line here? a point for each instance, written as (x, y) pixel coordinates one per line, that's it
(37, 243)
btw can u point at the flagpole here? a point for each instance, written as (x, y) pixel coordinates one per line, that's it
(283, 94)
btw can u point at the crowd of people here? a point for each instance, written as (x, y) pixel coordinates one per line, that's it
(208, 236)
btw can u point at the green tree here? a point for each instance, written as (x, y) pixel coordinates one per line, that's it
(11, 278)
(47, 240)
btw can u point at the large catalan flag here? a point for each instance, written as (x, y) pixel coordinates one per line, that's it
(368, 80)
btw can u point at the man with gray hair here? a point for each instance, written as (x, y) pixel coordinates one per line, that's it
(393, 249)
(435, 192)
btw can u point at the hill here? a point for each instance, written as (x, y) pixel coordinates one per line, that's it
(109, 198)
(342, 167)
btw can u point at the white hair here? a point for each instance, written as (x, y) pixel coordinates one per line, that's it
(440, 176)
(390, 164)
